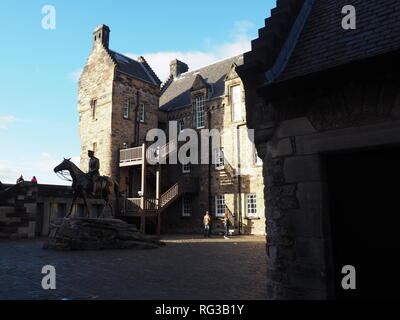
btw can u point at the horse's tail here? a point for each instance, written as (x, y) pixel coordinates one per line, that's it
(117, 196)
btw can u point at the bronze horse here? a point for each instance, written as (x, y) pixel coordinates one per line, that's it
(81, 186)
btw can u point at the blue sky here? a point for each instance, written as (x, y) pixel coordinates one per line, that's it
(39, 68)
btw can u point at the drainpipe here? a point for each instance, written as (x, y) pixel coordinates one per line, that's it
(137, 124)
(239, 176)
(209, 165)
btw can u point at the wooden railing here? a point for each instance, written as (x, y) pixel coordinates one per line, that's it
(133, 205)
(150, 204)
(131, 155)
(167, 198)
(170, 195)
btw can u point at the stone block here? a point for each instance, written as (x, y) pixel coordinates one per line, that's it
(350, 138)
(302, 169)
(295, 127)
(31, 229)
(307, 278)
(310, 250)
(281, 148)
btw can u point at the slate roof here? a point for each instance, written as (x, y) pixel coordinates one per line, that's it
(177, 94)
(137, 69)
(324, 44)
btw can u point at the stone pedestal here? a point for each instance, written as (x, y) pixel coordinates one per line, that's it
(97, 234)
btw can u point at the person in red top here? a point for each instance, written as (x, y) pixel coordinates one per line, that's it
(207, 224)
(34, 180)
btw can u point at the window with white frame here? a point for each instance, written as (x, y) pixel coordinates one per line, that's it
(142, 112)
(252, 206)
(236, 101)
(186, 207)
(181, 125)
(200, 111)
(186, 168)
(219, 159)
(127, 108)
(220, 206)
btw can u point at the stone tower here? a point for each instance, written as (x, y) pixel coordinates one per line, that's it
(117, 103)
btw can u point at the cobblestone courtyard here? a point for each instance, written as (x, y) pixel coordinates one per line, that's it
(188, 268)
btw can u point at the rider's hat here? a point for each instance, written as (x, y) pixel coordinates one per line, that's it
(90, 152)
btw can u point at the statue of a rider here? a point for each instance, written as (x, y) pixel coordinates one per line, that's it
(94, 174)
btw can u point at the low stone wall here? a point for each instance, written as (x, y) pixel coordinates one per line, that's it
(18, 211)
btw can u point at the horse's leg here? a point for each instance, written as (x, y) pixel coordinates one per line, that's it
(72, 205)
(86, 204)
(106, 204)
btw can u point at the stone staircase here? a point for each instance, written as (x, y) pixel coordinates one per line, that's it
(18, 211)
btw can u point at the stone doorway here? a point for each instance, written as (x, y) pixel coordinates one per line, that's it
(364, 206)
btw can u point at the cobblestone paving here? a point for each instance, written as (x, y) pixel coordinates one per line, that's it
(188, 268)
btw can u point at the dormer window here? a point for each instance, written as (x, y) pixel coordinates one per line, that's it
(199, 107)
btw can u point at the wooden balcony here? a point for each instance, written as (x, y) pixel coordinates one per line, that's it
(131, 157)
(134, 156)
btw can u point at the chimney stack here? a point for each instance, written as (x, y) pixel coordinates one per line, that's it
(101, 35)
(178, 67)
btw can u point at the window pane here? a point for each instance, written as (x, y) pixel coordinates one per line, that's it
(187, 207)
(236, 97)
(219, 159)
(252, 205)
(142, 112)
(181, 125)
(186, 168)
(220, 206)
(199, 108)
(126, 109)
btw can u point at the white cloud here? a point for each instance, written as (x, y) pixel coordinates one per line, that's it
(45, 155)
(5, 121)
(240, 42)
(75, 75)
(42, 169)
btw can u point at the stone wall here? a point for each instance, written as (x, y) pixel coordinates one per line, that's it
(298, 129)
(96, 83)
(18, 211)
(123, 129)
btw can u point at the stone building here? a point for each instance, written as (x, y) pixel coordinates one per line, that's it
(324, 102)
(121, 100)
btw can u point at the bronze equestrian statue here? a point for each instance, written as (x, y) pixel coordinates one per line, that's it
(94, 174)
(90, 183)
